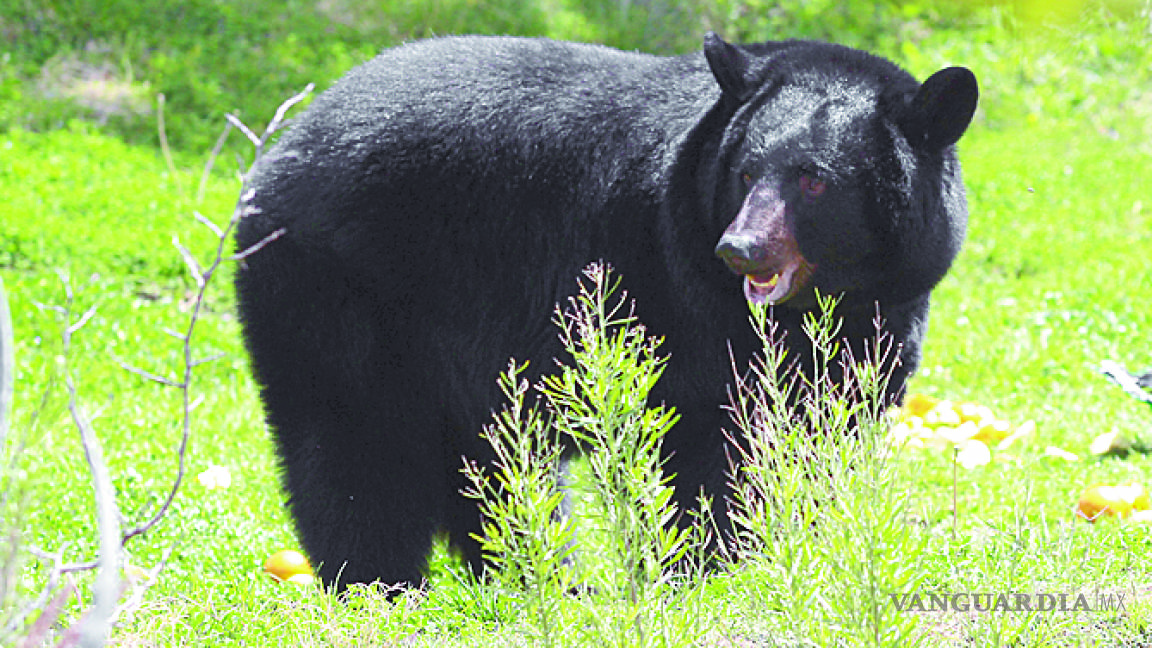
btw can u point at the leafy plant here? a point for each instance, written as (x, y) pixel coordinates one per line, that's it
(814, 484)
(598, 401)
(526, 534)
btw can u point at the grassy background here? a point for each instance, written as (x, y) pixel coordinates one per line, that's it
(1055, 277)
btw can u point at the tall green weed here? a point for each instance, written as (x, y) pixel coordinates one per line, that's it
(598, 402)
(818, 503)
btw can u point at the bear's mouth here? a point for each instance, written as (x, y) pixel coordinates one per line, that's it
(778, 287)
(760, 245)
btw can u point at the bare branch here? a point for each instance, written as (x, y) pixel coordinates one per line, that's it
(48, 307)
(219, 146)
(176, 334)
(71, 568)
(235, 121)
(203, 279)
(211, 358)
(168, 382)
(241, 169)
(190, 261)
(75, 634)
(277, 120)
(139, 589)
(274, 125)
(96, 625)
(48, 617)
(16, 621)
(82, 321)
(163, 132)
(7, 365)
(240, 256)
(203, 220)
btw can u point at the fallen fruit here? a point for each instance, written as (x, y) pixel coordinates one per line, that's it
(924, 422)
(1060, 453)
(1103, 500)
(1110, 443)
(919, 405)
(972, 454)
(289, 565)
(992, 429)
(975, 413)
(1026, 429)
(943, 414)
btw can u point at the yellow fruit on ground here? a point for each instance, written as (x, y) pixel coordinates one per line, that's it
(974, 412)
(919, 404)
(1026, 429)
(943, 414)
(289, 565)
(993, 430)
(1102, 500)
(973, 454)
(959, 434)
(931, 423)
(1140, 500)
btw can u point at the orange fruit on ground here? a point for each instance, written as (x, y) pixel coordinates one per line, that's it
(1102, 500)
(289, 565)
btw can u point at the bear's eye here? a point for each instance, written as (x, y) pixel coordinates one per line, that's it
(747, 180)
(811, 186)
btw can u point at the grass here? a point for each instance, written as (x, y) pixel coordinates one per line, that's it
(1053, 279)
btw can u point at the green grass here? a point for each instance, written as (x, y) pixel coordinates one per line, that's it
(1054, 278)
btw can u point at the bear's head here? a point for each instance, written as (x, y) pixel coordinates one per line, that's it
(838, 172)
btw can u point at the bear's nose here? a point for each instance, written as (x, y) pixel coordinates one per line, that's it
(738, 251)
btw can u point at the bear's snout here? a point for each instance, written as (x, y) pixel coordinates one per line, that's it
(741, 252)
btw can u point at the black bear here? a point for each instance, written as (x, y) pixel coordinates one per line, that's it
(439, 200)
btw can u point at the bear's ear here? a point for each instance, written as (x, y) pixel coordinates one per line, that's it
(729, 65)
(942, 109)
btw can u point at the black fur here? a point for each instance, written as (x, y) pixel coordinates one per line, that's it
(440, 200)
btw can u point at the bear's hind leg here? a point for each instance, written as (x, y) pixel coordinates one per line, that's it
(357, 433)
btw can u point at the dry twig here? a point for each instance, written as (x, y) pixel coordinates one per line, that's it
(108, 595)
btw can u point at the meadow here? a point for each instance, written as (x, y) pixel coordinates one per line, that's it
(1054, 279)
